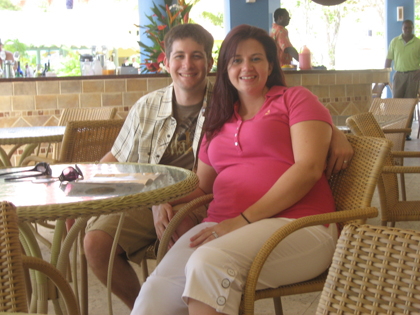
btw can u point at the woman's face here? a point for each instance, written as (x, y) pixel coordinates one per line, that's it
(249, 69)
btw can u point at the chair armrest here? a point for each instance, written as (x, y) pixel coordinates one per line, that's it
(399, 130)
(36, 159)
(284, 231)
(401, 169)
(57, 277)
(406, 154)
(176, 220)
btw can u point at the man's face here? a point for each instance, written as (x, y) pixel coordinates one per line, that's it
(283, 19)
(188, 65)
(407, 29)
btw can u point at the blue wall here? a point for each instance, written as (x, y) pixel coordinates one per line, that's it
(259, 13)
(394, 27)
(145, 8)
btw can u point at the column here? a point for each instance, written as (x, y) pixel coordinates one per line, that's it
(258, 13)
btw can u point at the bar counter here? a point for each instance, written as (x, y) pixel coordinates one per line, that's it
(40, 101)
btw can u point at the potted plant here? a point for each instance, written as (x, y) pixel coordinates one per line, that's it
(161, 21)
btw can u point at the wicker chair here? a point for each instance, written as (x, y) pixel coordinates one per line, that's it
(392, 208)
(84, 141)
(377, 89)
(78, 114)
(396, 132)
(374, 271)
(13, 291)
(352, 189)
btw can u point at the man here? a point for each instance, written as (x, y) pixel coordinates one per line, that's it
(159, 129)
(281, 36)
(8, 56)
(404, 50)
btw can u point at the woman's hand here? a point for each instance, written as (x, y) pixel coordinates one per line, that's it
(339, 153)
(208, 234)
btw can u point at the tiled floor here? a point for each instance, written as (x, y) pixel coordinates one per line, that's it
(294, 305)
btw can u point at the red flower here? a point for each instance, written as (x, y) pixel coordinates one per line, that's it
(161, 27)
(186, 18)
(161, 57)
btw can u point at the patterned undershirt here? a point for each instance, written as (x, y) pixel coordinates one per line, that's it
(179, 151)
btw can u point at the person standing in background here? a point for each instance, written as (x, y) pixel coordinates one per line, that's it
(9, 56)
(279, 33)
(404, 50)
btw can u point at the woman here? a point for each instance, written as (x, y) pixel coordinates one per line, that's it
(263, 157)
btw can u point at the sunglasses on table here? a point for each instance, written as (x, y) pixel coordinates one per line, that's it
(69, 174)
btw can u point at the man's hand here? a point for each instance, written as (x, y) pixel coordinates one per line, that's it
(339, 153)
(162, 214)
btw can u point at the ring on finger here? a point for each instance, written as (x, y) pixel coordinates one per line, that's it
(215, 234)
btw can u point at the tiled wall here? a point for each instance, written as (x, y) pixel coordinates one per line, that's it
(40, 102)
(342, 92)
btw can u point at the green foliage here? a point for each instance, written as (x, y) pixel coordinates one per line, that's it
(14, 45)
(215, 54)
(70, 64)
(162, 20)
(216, 20)
(8, 5)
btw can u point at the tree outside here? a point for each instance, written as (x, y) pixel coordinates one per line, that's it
(345, 36)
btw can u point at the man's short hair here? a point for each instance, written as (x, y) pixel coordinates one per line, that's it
(279, 12)
(408, 21)
(193, 31)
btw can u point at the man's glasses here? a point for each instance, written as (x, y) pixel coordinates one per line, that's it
(69, 174)
(38, 170)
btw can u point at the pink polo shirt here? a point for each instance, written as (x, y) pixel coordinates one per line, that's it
(249, 156)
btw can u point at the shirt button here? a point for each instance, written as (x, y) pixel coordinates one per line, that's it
(168, 136)
(236, 134)
(231, 272)
(225, 283)
(236, 143)
(221, 300)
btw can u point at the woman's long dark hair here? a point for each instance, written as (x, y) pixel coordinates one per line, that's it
(224, 93)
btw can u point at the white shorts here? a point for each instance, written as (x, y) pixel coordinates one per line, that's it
(216, 272)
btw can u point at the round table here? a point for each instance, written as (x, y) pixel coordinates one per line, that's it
(39, 201)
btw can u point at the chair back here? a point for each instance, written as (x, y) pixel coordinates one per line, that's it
(353, 187)
(12, 280)
(395, 107)
(365, 124)
(75, 114)
(89, 141)
(377, 89)
(78, 114)
(374, 271)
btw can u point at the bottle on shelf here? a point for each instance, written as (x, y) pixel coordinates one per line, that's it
(19, 72)
(44, 73)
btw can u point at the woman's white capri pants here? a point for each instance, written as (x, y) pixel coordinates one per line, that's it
(216, 272)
